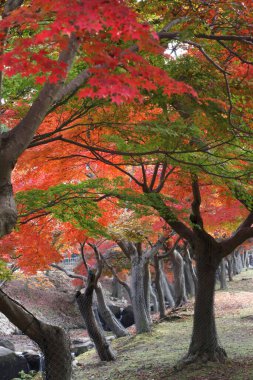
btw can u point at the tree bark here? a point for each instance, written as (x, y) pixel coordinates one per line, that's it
(179, 279)
(166, 289)
(153, 299)
(237, 264)
(159, 288)
(223, 278)
(188, 259)
(204, 344)
(146, 285)
(246, 259)
(111, 321)
(8, 211)
(189, 283)
(230, 267)
(52, 340)
(138, 299)
(84, 302)
(116, 288)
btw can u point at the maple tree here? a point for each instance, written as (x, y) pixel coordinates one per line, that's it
(190, 130)
(40, 37)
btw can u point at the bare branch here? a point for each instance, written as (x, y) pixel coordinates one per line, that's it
(99, 261)
(155, 248)
(171, 249)
(230, 244)
(69, 273)
(121, 282)
(83, 257)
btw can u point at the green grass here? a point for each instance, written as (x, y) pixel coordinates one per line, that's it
(152, 356)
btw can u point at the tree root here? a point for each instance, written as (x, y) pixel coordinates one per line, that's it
(202, 356)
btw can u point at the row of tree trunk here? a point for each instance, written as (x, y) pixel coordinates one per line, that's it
(231, 266)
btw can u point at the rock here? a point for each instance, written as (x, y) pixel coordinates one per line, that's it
(6, 327)
(127, 316)
(11, 364)
(81, 348)
(80, 341)
(110, 338)
(34, 360)
(7, 344)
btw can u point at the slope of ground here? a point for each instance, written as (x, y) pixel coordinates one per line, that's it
(152, 356)
(50, 298)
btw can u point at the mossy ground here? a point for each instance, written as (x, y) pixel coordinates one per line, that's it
(152, 356)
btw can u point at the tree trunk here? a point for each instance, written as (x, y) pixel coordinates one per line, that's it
(166, 289)
(237, 264)
(230, 267)
(146, 285)
(84, 302)
(8, 211)
(246, 259)
(111, 321)
(159, 288)
(204, 342)
(153, 299)
(189, 283)
(137, 290)
(243, 259)
(12, 144)
(116, 288)
(52, 340)
(188, 259)
(223, 278)
(179, 279)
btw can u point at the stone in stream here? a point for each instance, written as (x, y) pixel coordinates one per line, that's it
(11, 364)
(81, 348)
(7, 344)
(35, 360)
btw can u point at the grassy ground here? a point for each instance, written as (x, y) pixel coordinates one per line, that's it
(152, 356)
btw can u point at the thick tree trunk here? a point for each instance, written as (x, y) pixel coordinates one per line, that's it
(159, 288)
(84, 302)
(204, 342)
(146, 285)
(8, 211)
(179, 279)
(137, 290)
(111, 321)
(52, 340)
